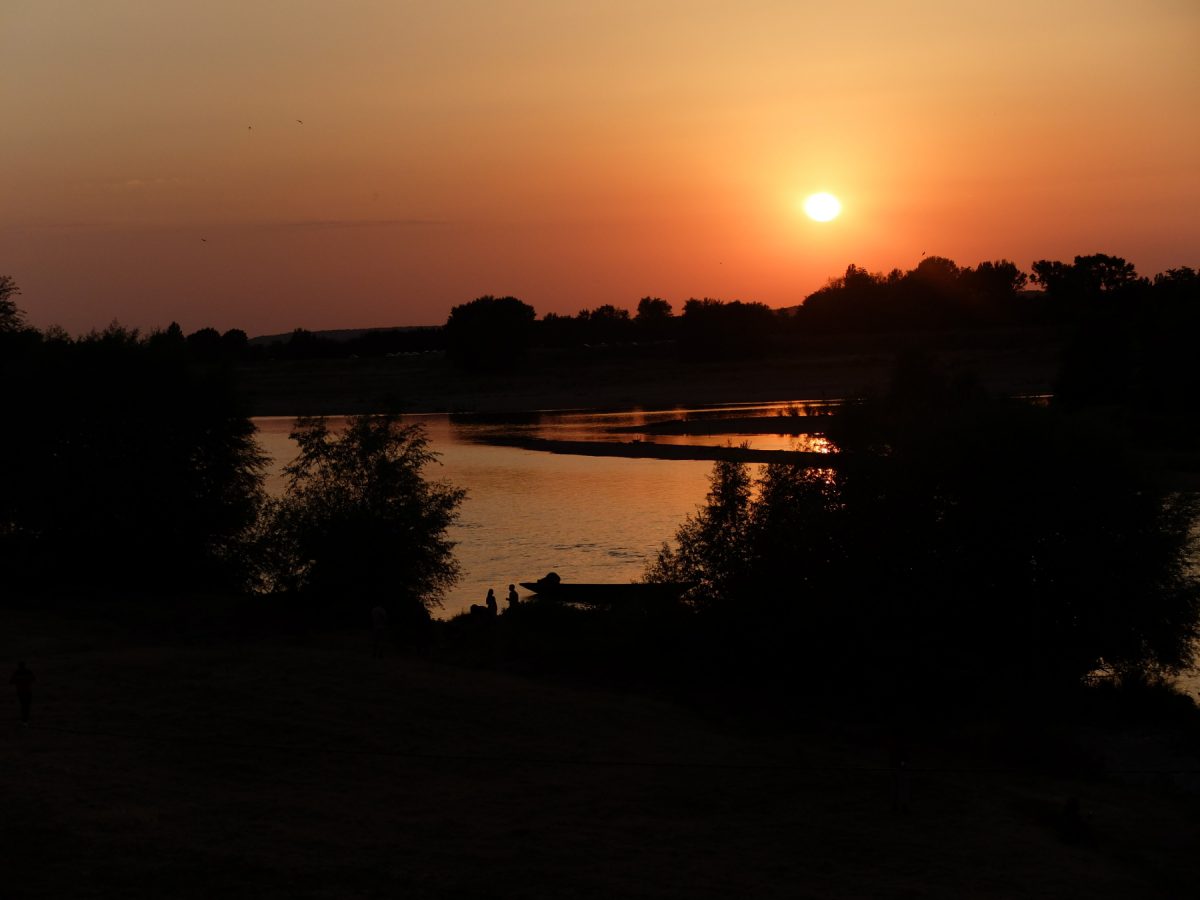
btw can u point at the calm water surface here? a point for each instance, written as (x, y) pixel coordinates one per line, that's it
(528, 513)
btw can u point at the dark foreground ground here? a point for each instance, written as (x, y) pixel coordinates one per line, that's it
(302, 767)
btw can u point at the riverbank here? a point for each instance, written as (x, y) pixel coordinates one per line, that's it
(649, 450)
(623, 378)
(294, 766)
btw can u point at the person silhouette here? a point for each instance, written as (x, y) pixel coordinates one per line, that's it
(22, 679)
(512, 598)
(492, 606)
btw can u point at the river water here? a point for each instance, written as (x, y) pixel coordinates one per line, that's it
(590, 519)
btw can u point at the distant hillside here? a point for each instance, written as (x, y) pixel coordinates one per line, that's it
(341, 334)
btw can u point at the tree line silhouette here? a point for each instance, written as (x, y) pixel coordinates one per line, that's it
(937, 295)
(967, 541)
(121, 458)
(131, 470)
(963, 539)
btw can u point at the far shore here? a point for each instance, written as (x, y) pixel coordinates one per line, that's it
(613, 378)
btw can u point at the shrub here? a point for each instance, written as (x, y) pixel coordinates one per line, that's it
(359, 518)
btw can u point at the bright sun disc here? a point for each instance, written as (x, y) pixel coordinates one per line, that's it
(822, 207)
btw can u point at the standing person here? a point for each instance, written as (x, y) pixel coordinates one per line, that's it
(22, 679)
(513, 599)
(492, 606)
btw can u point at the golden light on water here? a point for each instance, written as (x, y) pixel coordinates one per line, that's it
(822, 207)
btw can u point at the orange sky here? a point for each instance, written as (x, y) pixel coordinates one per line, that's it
(571, 154)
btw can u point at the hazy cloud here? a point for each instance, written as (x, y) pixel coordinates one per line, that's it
(142, 184)
(357, 223)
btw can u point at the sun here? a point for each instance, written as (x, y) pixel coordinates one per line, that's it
(822, 207)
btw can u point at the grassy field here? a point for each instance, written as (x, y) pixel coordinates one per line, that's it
(188, 764)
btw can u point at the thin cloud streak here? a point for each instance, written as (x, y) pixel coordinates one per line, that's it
(356, 223)
(306, 224)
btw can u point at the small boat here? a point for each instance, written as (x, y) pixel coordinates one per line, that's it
(554, 588)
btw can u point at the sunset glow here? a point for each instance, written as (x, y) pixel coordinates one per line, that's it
(822, 207)
(313, 164)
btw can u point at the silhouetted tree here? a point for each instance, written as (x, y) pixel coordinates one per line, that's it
(1176, 286)
(1169, 371)
(938, 272)
(1101, 273)
(930, 295)
(556, 330)
(991, 292)
(170, 340)
(711, 546)
(359, 520)
(857, 301)
(957, 540)
(234, 343)
(128, 469)
(714, 328)
(1135, 360)
(11, 316)
(16, 337)
(1094, 297)
(205, 344)
(606, 324)
(999, 280)
(653, 309)
(653, 319)
(937, 294)
(489, 333)
(1093, 284)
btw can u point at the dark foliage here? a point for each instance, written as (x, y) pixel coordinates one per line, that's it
(937, 294)
(1099, 296)
(962, 542)
(12, 318)
(16, 337)
(359, 523)
(654, 319)
(1130, 346)
(607, 324)
(124, 466)
(1090, 284)
(490, 334)
(1168, 366)
(603, 326)
(714, 329)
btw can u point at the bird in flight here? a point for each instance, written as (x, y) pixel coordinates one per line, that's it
(301, 121)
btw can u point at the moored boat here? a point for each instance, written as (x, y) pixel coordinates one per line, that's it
(554, 588)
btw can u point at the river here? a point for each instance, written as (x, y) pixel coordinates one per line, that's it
(590, 519)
